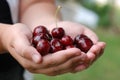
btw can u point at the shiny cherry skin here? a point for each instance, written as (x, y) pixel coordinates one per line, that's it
(56, 45)
(38, 37)
(58, 32)
(49, 36)
(84, 44)
(66, 40)
(78, 37)
(35, 40)
(43, 47)
(39, 29)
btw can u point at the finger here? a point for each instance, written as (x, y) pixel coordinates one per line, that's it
(27, 64)
(82, 66)
(91, 57)
(55, 59)
(79, 68)
(24, 48)
(100, 51)
(65, 67)
(32, 54)
(102, 45)
(60, 57)
(96, 51)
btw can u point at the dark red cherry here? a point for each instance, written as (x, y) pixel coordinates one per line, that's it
(66, 40)
(78, 37)
(39, 37)
(84, 44)
(43, 47)
(49, 36)
(40, 29)
(56, 45)
(35, 40)
(58, 32)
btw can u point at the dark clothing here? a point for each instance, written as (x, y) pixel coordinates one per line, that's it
(5, 16)
(10, 69)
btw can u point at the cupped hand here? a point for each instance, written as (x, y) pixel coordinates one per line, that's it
(17, 40)
(74, 29)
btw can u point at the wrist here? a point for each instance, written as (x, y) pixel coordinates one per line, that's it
(3, 38)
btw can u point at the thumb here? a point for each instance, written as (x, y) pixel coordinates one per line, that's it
(26, 50)
(29, 52)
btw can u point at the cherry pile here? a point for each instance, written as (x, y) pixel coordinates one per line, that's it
(46, 43)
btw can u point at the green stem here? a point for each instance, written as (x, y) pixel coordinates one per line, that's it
(56, 14)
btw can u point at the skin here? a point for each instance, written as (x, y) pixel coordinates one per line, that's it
(16, 39)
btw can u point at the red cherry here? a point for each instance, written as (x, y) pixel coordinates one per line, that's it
(35, 40)
(84, 44)
(56, 45)
(66, 40)
(78, 37)
(38, 37)
(49, 36)
(58, 32)
(43, 47)
(40, 29)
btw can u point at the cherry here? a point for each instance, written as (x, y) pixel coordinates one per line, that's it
(78, 37)
(35, 40)
(40, 29)
(56, 45)
(39, 37)
(46, 43)
(66, 40)
(84, 44)
(43, 47)
(58, 32)
(49, 36)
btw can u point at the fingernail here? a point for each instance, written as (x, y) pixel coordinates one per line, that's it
(36, 58)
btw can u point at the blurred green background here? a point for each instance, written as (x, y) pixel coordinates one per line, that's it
(108, 30)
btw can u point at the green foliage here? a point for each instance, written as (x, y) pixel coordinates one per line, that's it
(102, 11)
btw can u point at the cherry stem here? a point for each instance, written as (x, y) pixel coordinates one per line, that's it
(56, 14)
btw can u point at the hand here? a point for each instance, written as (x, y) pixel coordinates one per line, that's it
(17, 40)
(74, 29)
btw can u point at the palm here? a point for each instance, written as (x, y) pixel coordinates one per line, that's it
(73, 29)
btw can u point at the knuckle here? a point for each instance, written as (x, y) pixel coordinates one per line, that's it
(51, 63)
(27, 66)
(55, 71)
(67, 56)
(72, 63)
